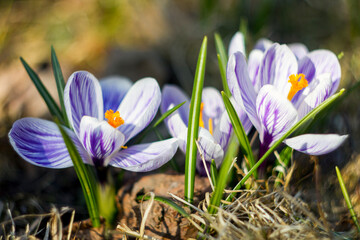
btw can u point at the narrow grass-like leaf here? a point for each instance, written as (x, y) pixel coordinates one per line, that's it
(193, 126)
(225, 169)
(347, 198)
(60, 83)
(309, 117)
(53, 107)
(165, 115)
(240, 132)
(84, 177)
(168, 202)
(222, 60)
(213, 172)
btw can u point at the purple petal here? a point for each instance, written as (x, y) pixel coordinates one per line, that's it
(172, 96)
(237, 44)
(255, 59)
(326, 62)
(299, 50)
(213, 106)
(100, 139)
(241, 87)
(113, 91)
(40, 142)
(277, 65)
(316, 144)
(139, 107)
(145, 157)
(322, 89)
(276, 113)
(224, 129)
(82, 97)
(209, 150)
(263, 44)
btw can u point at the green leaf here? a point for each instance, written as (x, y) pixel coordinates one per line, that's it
(168, 202)
(60, 83)
(193, 126)
(52, 106)
(347, 198)
(213, 172)
(85, 177)
(309, 117)
(240, 132)
(222, 60)
(224, 173)
(168, 113)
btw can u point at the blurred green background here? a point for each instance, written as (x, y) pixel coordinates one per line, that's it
(156, 38)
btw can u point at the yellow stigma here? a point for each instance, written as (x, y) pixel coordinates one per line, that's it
(211, 126)
(201, 121)
(296, 84)
(114, 119)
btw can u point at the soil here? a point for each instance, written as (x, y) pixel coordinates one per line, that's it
(163, 221)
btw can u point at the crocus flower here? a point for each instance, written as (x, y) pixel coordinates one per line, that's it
(282, 91)
(215, 127)
(128, 109)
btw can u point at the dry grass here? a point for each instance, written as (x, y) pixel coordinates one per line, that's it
(257, 214)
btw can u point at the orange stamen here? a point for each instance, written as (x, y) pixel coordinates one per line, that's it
(296, 84)
(211, 126)
(124, 147)
(201, 122)
(114, 119)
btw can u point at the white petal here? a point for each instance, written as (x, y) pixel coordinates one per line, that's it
(316, 144)
(145, 157)
(82, 97)
(139, 107)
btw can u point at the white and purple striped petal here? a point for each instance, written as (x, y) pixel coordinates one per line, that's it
(173, 95)
(213, 105)
(82, 97)
(241, 87)
(255, 59)
(322, 89)
(114, 90)
(139, 107)
(177, 121)
(326, 61)
(145, 157)
(237, 44)
(209, 150)
(40, 142)
(276, 113)
(100, 140)
(263, 44)
(299, 50)
(316, 144)
(276, 67)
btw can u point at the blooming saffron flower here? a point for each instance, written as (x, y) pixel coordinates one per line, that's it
(128, 109)
(215, 127)
(282, 91)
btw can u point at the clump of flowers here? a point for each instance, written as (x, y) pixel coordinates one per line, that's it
(276, 90)
(99, 142)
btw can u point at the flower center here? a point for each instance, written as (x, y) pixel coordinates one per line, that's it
(296, 84)
(114, 118)
(201, 121)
